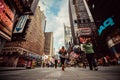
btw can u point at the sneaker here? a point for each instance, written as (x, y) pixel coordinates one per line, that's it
(62, 68)
(91, 68)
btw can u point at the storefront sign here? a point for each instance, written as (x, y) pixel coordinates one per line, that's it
(21, 24)
(107, 23)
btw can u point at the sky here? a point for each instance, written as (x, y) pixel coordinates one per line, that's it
(56, 12)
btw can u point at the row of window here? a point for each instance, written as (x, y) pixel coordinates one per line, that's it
(82, 20)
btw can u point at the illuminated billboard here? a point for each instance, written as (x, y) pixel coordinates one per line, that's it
(107, 23)
(6, 21)
(106, 15)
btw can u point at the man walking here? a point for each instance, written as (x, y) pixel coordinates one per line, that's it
(88, 48)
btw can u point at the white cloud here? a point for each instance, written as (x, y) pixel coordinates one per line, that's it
(55, 23)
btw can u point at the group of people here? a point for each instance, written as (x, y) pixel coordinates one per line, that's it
(89, 51)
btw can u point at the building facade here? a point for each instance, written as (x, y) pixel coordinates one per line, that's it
(27, 44)
(10, 11)
(49, 43)
(85, 23)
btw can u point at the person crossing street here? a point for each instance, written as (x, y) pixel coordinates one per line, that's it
(88, 48)
(62, 53)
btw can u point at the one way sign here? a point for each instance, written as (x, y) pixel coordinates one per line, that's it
(21, 24)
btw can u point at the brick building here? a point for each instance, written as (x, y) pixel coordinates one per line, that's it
(27, 45)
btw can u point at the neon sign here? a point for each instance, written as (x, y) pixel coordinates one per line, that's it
(107, 23)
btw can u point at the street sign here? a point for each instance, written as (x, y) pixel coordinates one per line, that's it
(21, 24)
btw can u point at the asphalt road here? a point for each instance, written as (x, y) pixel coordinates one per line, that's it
(104, 73)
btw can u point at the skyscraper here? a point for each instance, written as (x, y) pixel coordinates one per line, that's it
(67, 35)
(48, 43)
(84, 20)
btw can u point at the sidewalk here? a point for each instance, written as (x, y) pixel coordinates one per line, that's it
(11, 68)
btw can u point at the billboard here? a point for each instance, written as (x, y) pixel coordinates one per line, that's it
(106, 17)
(107, 23)
(84, 31)
(6, 20)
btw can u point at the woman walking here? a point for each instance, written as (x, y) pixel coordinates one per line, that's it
(62, 53)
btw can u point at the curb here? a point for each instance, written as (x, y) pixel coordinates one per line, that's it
(11, 69)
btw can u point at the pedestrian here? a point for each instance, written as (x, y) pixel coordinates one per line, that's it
(88, 48)
(105, 61)
(62, 53)
(56, 57)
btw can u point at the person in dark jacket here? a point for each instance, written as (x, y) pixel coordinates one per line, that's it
(62, 53)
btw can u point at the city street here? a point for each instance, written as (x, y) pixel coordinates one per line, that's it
(104, 73)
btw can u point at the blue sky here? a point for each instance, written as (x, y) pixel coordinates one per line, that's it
(56, 12)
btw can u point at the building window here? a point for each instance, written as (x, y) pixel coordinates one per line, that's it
(88, 20)
(75, 21)
(74, 2)
(83, 20)
(93, 6)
